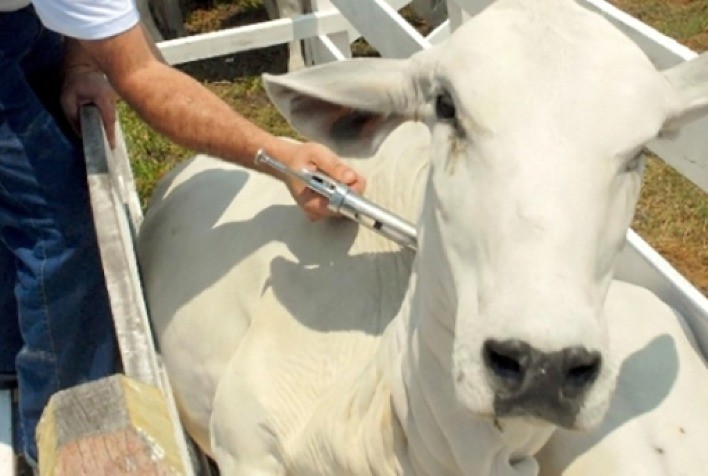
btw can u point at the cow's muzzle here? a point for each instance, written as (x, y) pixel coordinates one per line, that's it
(550, 386)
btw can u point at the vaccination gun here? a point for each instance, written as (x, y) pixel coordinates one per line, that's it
(343, 200)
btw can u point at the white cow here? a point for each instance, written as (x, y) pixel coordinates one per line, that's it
(298, 348)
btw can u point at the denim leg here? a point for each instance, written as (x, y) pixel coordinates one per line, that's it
(10, 338)
(46, 222)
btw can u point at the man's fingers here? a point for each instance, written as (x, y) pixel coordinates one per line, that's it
(314, 205)
(71, 110)
(335, 168)
(108, 116)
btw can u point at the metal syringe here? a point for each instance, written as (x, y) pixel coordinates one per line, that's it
(341, 199)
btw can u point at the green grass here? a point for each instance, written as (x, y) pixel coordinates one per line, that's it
(684, 20)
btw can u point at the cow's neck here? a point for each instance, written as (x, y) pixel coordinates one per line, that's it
(442, 437)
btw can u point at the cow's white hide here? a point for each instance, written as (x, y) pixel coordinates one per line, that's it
(657, 423)
(280, 336)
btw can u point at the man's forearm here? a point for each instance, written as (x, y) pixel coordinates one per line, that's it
(175, 104)
(182, 109)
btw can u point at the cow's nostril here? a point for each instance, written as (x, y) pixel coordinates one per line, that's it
(581, 369)
(507, 362)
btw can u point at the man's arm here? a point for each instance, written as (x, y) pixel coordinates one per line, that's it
(182, 109)
(84, 83)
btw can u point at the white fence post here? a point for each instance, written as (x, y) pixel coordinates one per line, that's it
(326, 48)
(456, 14)
(382, 26)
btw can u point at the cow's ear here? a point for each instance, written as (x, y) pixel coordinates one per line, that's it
(350, 106)
(689, 82)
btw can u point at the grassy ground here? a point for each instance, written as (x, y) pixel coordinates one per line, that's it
(672, 214)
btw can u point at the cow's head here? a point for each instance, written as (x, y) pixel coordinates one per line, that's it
(538, 120)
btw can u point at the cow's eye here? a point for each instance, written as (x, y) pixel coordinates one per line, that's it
(445, 107)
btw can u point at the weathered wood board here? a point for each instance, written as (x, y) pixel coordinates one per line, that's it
(113, 426)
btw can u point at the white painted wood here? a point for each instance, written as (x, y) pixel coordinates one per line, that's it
(116, 246)
(7, 456)
(322, 49)
(439, 34)
(664, 51)
(383, 27)
(251, 37)
(459, 11)
(456, 15)
(318, 50)
(640, 264)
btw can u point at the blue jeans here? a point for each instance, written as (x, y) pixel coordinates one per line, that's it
(56, 329)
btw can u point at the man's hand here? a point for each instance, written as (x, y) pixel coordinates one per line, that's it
(86, 85)
(313, 157)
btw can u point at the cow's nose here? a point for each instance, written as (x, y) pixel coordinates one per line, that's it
(548, 385)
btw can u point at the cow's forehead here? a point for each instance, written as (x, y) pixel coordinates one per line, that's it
(568, 68)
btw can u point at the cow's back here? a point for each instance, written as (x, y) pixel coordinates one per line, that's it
(231, 268)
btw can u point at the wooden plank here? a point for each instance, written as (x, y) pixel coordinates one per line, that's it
(383, 27)
(116, 426)
(327, 48)
(7, 455)
(118, 216)
(457, 15)
(321, 49)
(250, 37)
(113, 231)
(470, 7)
(439, 34)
